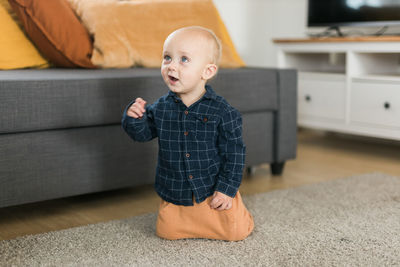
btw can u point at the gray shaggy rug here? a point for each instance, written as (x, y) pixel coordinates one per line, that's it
(353, 221)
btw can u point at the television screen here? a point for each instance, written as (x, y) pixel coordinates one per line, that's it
(353, 12)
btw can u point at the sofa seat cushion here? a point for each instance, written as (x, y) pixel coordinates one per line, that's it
(34, 100)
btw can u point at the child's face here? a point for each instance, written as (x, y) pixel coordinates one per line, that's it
(186, 58)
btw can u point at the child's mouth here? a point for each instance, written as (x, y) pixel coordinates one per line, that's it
(172, 78)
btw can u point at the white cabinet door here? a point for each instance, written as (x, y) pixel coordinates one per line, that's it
(322, 95)
(375, 103)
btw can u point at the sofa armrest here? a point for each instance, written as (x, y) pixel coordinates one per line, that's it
(286, 116)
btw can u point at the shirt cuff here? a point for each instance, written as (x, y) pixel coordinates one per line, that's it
(226, 188)
(134, 121)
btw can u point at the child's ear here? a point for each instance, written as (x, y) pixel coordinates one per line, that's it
(209, 71)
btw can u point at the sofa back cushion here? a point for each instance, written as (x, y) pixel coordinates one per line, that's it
(56, 31)
(67, 98)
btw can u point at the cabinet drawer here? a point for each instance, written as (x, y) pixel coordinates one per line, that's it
(322, 96)
(375, 103)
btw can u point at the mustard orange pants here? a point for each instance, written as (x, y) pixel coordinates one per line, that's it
(201, 221)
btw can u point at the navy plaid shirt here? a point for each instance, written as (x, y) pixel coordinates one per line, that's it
(200, 147)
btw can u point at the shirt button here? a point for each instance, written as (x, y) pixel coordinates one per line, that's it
(190, 176)
(205, 119)
(186, 133)
(186, 112)
(176, 101)
(187, 155)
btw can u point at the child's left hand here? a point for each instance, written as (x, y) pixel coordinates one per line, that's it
(221, 201)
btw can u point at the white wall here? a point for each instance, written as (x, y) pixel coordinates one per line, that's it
(253, 24)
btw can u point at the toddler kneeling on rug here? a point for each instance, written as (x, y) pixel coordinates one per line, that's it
(201, 151)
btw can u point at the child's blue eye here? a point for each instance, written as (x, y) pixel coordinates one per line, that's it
(185, 59)
(167, 58)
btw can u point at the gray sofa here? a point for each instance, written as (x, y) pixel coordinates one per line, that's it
(60, 132)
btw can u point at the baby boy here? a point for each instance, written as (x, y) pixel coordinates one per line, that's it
(201, 151)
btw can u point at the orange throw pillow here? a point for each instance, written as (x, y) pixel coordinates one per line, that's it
(56, 31)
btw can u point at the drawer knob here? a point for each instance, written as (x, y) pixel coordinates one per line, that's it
(307, 98)
(386, 105)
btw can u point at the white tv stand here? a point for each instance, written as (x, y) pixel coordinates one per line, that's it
(346, 84)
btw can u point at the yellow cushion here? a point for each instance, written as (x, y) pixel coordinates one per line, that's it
(10, 11)
(132, 32)
(16, 51)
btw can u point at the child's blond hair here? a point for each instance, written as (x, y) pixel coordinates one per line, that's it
(210, 35)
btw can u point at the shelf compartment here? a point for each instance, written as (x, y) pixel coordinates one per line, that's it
(377, 64)
(316, 62)
(385, 78)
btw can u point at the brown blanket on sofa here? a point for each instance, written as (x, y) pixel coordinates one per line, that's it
(131, 32)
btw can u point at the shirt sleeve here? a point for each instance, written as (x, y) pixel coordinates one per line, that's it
(232, 152)
(140, 129)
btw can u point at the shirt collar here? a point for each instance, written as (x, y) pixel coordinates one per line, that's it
(210, 94)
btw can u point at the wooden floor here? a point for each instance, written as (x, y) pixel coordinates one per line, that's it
(320, 156)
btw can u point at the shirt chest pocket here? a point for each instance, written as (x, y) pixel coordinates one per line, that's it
(206, 127)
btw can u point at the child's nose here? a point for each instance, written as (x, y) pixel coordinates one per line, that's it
(172, 65)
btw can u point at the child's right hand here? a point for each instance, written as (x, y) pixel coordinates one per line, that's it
(137, 109)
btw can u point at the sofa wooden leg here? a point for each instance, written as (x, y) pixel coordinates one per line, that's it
(277, 168)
